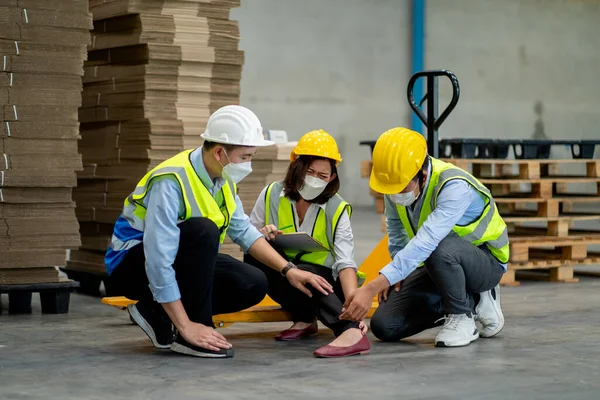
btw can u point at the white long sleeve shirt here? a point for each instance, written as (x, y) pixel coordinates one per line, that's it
(343, 249)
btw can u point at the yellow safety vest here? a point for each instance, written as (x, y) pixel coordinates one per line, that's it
(197, 199)
(489, 228)
(279, 212)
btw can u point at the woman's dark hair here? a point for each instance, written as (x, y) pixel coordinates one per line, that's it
(294, 178)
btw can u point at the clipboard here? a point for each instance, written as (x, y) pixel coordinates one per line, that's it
(299, 241)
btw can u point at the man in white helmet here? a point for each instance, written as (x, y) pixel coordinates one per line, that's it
(164, 250)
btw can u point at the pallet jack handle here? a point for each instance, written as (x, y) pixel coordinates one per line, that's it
(431, 120)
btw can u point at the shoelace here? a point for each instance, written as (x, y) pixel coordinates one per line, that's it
(451, 322)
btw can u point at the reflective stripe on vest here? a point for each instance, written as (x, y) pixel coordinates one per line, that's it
(279, 212)
(197, 199)
(489, 228)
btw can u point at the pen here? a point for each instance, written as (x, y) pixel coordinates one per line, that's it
(285, 227)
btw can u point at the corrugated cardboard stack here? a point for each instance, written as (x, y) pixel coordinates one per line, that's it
(157, 69)
(268, 165)
(42, 49)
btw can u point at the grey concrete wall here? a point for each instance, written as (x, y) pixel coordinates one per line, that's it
(343, 66)
(512, 55)
(337, 65)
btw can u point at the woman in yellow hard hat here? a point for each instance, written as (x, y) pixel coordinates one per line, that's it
(307, 201)
(442, 218)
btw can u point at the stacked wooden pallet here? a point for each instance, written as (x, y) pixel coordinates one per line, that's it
(537, 202)
(42, 50)
(157, 69)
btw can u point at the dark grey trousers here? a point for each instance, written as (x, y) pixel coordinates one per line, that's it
(449, 283)
(303, 308)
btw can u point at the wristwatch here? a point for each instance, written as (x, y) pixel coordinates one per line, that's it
(287, 267)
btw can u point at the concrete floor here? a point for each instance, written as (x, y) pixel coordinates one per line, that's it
(550, 349)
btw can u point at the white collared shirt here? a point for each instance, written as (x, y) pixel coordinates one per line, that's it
(343, 248)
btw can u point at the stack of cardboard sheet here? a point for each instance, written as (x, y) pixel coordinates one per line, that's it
(42, 50)
(156, 70)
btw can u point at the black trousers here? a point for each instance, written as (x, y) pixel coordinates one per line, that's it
(303, 308)
(449, 283)
(210, 283)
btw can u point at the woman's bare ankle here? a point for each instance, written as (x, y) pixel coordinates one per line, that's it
(301, 325)
(347, 338)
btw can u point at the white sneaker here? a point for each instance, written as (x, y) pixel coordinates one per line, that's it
(489, 313)
(458, 330)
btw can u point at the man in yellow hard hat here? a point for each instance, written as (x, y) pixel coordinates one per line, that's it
(448, 243)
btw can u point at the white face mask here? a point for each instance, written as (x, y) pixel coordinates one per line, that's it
(235, 173)
(312, 187)
(404, 199)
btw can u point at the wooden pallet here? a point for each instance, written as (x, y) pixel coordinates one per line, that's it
(541, 177)
(379, 205)
(530, 250)
(549, 207)
(544, 188)
(365, 168)
(533, 172)
(525, 169)
(555, 226)
(547, 267)
(524, 248)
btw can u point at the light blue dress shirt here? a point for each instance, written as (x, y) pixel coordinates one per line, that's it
(164, 204)
(457, 203)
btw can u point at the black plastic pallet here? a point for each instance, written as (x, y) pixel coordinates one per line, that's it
(523, 149)
(54, 297)
(89, 283)
(474, 148)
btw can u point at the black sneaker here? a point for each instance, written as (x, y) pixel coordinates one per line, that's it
(158, 327)
(180, 345)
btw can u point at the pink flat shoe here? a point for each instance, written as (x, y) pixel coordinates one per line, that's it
(295, 334)
(361, 347)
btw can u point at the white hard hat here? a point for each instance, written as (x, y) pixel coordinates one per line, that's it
(235, 125)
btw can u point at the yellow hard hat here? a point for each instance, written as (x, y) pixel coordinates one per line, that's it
(317, 143)
(398, 156)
